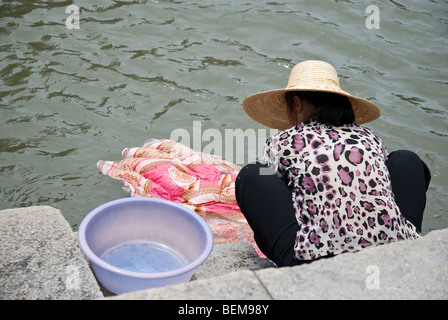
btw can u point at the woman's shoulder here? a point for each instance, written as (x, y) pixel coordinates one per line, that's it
(309, 125)
(313, 129)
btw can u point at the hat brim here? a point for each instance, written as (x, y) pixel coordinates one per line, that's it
(270, 107)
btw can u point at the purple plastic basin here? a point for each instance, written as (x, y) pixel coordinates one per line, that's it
(140, 243)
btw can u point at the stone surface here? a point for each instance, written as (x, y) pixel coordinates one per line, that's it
(241, 285)
(404, 270)
(230, 257)
(39, 257)
(224, 259)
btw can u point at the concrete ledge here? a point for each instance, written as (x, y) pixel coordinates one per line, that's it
(241, 285)
(39, 257)
(405, 270)
(228, 258)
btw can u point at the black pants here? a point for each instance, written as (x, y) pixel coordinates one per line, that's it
(266, 202)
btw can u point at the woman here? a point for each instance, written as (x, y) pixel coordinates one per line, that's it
(335, 189)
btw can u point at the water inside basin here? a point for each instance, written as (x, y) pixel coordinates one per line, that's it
(144, 256)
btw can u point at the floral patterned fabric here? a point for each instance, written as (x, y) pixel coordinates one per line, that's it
(341, 188)
(172, 171)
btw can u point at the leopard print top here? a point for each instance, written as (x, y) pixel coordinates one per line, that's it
(341, 188)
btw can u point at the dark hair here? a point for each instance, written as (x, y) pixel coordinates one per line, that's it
(333, 108)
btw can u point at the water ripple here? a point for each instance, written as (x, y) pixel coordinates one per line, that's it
(138, 69)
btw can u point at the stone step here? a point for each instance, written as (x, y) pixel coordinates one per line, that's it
(40, 258)
(404, 270)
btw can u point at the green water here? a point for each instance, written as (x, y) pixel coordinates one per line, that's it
(136, 70)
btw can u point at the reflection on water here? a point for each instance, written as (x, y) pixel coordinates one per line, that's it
(140, 69)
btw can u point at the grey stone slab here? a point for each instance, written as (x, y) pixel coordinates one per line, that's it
(241, 285)
(225, 259)
(404, 270)
(230, 257)
(40, 259)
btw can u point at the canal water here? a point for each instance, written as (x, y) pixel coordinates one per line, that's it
(75, 91)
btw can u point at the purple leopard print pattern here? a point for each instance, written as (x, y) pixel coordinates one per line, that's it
(340, 186)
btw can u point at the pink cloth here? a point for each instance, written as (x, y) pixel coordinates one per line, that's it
(169, 170)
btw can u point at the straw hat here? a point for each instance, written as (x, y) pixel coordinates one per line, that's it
(270, 108)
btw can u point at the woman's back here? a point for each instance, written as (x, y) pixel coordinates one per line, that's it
(341, 188)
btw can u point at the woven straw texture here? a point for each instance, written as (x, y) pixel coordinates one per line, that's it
(270, 108)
